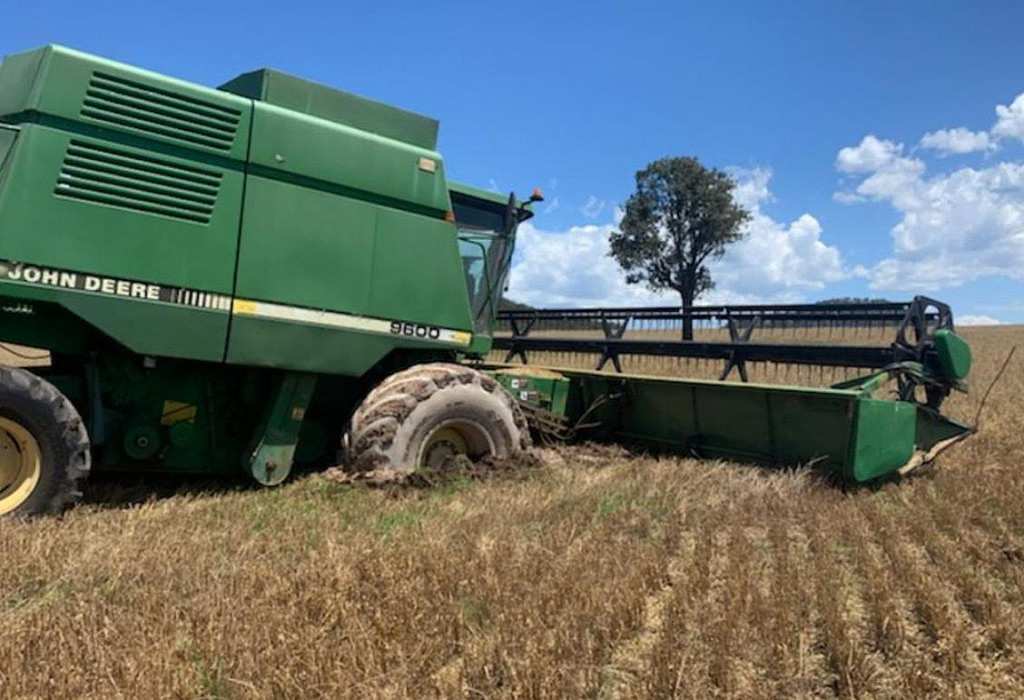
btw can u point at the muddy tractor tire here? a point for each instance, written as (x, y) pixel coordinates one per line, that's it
(44, 447)
(429, 414)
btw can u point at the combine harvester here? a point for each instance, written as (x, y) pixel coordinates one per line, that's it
(243, 277)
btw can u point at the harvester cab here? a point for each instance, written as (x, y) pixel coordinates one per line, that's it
(486, 224)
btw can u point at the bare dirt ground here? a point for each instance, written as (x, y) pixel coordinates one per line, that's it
(598, 575)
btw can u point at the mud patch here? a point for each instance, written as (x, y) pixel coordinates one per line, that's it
(454, 469)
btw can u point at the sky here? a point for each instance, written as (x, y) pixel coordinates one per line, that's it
(878, 145)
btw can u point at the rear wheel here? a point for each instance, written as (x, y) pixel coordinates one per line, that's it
(44, 448)
(427, 415)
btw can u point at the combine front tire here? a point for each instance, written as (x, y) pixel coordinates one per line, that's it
(425, 415)
(44, 448)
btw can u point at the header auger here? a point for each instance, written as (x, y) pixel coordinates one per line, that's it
(250, 276)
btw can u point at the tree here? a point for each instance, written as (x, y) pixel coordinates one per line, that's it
(681, 217)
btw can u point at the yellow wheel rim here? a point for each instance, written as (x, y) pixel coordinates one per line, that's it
(20, 464)
(445, 442)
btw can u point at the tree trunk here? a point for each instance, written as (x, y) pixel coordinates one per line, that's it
(687, 317)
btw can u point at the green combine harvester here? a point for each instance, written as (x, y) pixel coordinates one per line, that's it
(276, 273)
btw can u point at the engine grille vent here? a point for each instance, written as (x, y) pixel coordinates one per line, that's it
(104, 175)
(153, 111)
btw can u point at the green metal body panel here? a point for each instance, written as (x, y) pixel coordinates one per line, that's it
(324, 279)
(545, 390)
(7, 137)
(885, 438)
(272, 457)
(67, 223)
(83, 91)
(305, 347)
(379, 269)
(954, 354)
(844, 431)
(46, 326)
(156, 330)
(308, 97)
(357, 163)
(469, 190)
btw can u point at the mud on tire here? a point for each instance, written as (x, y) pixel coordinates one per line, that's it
(406, 421)
(31, 404)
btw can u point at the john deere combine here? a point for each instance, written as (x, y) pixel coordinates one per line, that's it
(247, 277)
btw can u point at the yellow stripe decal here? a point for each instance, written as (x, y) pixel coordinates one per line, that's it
(333, 319)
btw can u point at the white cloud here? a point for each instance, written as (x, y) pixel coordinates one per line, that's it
(972, 320)
(593, 207)
(895, 179)
(956, 225)
(1010, 120)
(751, 189)
(572, 268)
(848, 197)
(551, 206)
(776, 262)
(958, 140)
(871, 154)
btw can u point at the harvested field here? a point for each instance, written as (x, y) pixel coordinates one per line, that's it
(598, 575)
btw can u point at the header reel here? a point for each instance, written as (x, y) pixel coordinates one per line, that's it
(926, 351)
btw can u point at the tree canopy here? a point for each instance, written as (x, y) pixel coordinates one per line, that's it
(681, 216)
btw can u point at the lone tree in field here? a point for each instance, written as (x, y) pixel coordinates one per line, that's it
(681, 217)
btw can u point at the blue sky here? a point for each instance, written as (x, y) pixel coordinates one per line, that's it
(928, 196)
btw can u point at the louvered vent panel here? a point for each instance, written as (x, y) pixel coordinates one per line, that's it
(153, 111)
(104, 175)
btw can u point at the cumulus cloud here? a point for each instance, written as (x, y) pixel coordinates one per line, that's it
(572, 268)
(1010, 120)
(957, 141)
(972, 320)
(956, 225)
(895, 179)
(870, 154)
(1009, 125)
(777, 261)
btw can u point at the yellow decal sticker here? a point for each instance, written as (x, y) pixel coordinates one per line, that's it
(244, 306)
(177, 411)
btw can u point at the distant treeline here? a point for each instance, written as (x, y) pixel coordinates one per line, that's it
(507, 304)
(853, 300)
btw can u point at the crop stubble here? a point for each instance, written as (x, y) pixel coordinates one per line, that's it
(602, 574)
